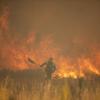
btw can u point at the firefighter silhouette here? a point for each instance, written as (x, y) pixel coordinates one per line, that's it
(49, 68)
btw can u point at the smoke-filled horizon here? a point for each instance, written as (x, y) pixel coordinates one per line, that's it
(68, 31)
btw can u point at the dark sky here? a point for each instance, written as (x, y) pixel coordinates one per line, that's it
(74, 24)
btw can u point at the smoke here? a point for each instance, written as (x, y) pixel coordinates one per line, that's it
(70, 55)
(15, 50)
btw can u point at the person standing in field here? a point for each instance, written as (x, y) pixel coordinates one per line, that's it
(49, 67)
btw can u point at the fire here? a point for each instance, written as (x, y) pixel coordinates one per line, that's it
(71, 70)
(14, 54)
(63, 74)
(4, 20)
(67, 69)
(72, 74)
(89, 66)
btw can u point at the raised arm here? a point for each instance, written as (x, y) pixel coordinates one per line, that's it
(43, 64)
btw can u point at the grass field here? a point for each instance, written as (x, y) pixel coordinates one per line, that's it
(56, 89)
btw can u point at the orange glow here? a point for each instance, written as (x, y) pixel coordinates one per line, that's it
(4, 20)
(15, 54)
(89, 66)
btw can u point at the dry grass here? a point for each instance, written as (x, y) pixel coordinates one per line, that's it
(51, 90)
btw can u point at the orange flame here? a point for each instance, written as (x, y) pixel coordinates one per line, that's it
(14, 54)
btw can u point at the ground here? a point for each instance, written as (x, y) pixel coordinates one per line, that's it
(35, 88)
